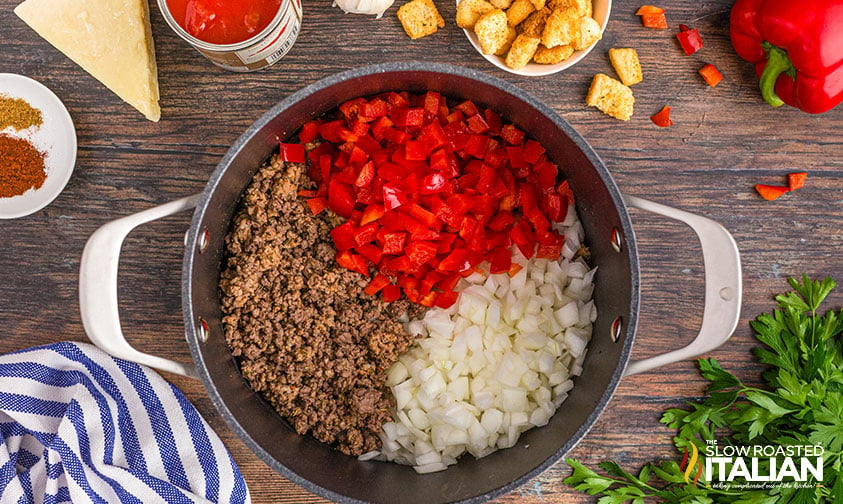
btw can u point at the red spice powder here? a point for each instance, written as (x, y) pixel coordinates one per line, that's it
(21, 166)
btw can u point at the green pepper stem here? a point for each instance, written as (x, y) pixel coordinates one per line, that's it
(777, 64)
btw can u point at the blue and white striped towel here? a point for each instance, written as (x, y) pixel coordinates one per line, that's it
(77, 425)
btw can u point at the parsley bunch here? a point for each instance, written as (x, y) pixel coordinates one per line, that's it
(802, 404)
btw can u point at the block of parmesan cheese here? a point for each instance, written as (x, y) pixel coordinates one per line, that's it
(110, 39)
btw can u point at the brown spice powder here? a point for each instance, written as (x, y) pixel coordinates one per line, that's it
(21, 166)
(18, 113)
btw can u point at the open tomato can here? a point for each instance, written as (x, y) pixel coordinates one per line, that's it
(261, 50)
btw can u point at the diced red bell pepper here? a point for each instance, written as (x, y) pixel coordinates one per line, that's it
(291, 152)
(372, 213)
(309, 131)
(493, 119)
(769, 192)
(416, 150)
(407, 117)
(512, 135)
(393, 196)
(796, 180)
(501, 220)
(421, 252)
(533, 151)
(477, 146)
(456, 261)
(431, 102)
(662, 117)
(424, 216)
(370, 252)
(710, 74)
(391, 293)
(316, 205)
(522, 236)
(468, 108)
(446, 299)
(378, 282)
(341, 198)
(393, 243)
(689, 39)
(374, 108)
(366, 233)
(352, 261)
(343, 236)
(433, 135)
(652, 17)
(433, 183)
(477, 124)
(500, 261)
(538, 219)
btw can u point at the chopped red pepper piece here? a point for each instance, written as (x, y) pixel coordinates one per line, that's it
(690, 40)
(353, 262)
(652, 17)
(662, 117)
(317, 205)
(796, 180)
(391, 293)
(378, 282)
(769, 192)
(711, 74)
(291, 152)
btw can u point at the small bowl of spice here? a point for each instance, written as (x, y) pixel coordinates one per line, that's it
(37, 146)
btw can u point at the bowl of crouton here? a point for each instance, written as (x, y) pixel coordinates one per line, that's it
(533, 37)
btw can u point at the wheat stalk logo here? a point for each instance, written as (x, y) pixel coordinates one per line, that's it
(688, 465)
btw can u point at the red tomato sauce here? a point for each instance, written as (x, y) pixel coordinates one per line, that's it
(223, 21)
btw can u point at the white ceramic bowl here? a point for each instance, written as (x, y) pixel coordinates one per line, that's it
(600, 13)
(56, 137)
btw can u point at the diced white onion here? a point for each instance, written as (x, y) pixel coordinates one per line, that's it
(495, 364)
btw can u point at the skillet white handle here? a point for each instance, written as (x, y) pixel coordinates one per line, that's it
(723, 290)
(98, 287)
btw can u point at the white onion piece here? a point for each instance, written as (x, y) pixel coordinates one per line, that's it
(370, 7)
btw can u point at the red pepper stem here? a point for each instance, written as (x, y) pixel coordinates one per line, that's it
(777, 64)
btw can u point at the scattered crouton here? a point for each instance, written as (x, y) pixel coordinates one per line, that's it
(420, 18)
(492, 31)
(501, 4)
(469, 11)
(589, 33)
(554, 55)
(611, 97)
(626, 64)
(518, 11)
(523, 48)
(561, 28)
(538, 4)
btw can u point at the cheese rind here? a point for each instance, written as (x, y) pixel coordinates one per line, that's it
(110, 39)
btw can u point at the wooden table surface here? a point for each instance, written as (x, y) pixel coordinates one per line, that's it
(723, 141)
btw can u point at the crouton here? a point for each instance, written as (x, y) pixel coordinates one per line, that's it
(626, 64)
(469, 11)
(518, 11)
(534, 24)
(611, 97)
(523, 48)
(561, 28)
(538, 4)
(511, 35)
(554, 55)
(583, 7)
(420, 18)
(492, 31)
(501, 4)
(589, 33)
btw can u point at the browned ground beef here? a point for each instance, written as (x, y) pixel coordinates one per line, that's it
(306, 337)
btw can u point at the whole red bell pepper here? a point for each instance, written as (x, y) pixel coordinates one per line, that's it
(797, 48)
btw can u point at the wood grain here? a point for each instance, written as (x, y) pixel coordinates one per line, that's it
(723, 141)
